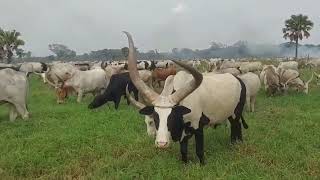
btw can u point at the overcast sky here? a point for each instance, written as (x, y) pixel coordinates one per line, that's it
(85, 25)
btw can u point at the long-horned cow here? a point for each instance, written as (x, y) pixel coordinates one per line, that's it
(291, 78)
(200, 102)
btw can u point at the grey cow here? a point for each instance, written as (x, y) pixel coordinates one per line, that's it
(14, 89)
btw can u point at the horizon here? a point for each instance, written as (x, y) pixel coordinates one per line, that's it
(87, 26)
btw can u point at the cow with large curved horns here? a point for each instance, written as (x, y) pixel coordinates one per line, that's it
(200, 102)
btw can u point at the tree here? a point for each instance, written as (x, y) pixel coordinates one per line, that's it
(9, 42)
(62, 51)
(297, 27)
(20, 53)
(28, 54)
(125, 52)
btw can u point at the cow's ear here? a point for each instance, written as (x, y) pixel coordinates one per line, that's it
(181, 110)
(148, 110)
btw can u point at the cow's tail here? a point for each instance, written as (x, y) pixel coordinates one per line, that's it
(244, 124)
(240, 107)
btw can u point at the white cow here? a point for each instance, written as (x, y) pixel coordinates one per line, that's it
(14, 90)
(253, 86)
(91, 81)
(288, 65)
(33, 67)
(250, 67)
(200, 102)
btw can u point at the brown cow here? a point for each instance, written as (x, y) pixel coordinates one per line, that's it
(160, 74)
(62, 93)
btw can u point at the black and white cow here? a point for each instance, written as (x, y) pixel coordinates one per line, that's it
(197, 101)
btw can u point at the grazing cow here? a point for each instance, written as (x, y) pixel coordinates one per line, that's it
(313, 63)
(250, 67)
(117, 88)
(68, 78)
(91, 81)
(291, 78)
(14, 89)
(288, 65)
(199, 102)
(271, 80)
(59, 70)
(253, 85)
(159, 75)
(263, 73)
(62, 93)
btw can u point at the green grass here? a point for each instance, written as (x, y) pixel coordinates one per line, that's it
(70, 141)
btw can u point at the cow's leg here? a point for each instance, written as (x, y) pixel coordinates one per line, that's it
(22, 110)
(199, 144)
(117, 102)
(233, 130)
(80, 95)
(248, 103)
(236, 133)
(184, 149)
(13, 113)
(252, 102)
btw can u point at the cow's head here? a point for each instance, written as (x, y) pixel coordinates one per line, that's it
(62, 94)
(164, 109)
(44, 67)
(61, 90)
(300, 85)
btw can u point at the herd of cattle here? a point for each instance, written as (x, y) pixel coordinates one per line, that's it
(177, 101)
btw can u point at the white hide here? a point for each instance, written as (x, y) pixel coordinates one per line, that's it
(289, 65)
(253, 86)
(91, 81)
(14, 90)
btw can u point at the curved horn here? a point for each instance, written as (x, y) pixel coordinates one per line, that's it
(318, 75)
(306, 85)
(49, 82)
(60, 79)
(168, 86)
(309, 79)
(146, 91)
(191, 85)
(135, 103)
(290, 79)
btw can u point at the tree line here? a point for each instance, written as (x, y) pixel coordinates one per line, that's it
(296, 28)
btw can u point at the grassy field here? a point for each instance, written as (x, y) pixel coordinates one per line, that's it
(70, 141)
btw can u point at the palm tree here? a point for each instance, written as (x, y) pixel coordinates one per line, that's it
(297, 27)
(9, 42)
(20, 53)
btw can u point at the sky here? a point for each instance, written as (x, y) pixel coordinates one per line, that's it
(86, 25)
